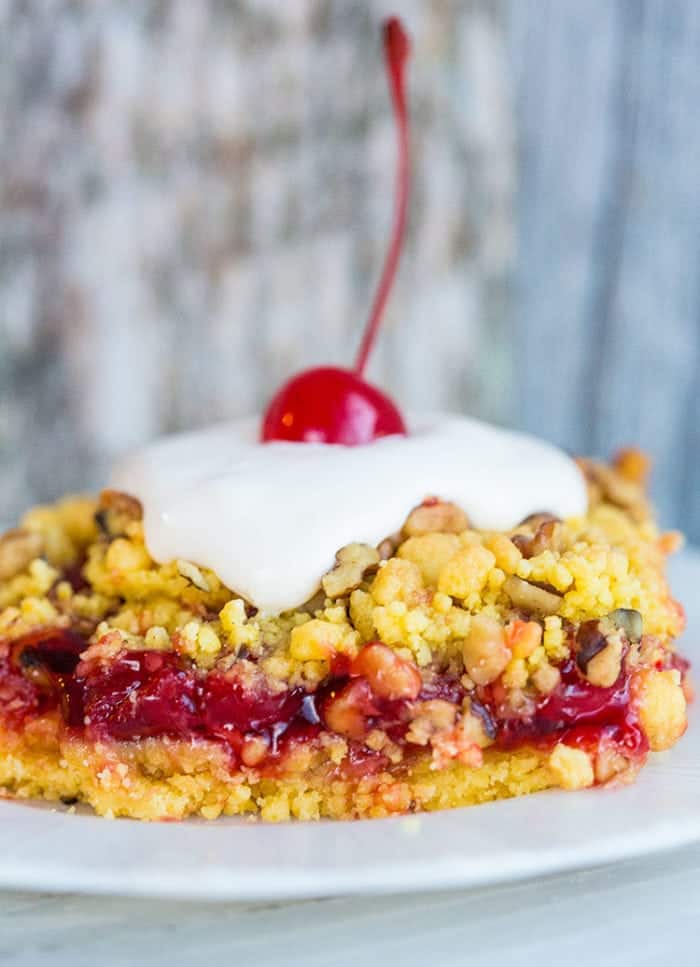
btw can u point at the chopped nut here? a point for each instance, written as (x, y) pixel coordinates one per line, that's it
(348, 711)
(190, 571)
(465, 739)
(546, 535)
(18, 548)
(530, 597)
(115, 511)
(315, 602)
(352, 563)
(435, 715)
(599, 655)
(388, 546)
(533, 521)
(435, 516)
(618, 489)
(488, 726)
(484, 650)
(604, 668)
(629, 621)
(590, 640)
(389, 675)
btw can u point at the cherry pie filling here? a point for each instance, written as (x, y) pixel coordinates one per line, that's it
(142, 694)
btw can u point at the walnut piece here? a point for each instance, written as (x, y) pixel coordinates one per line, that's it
(18, 548)
(347, 711)
(599, 653)
(388, 547)
(484, 650)
(611, 485)
(352, 563)
(603, 669)
(435, 516)
(628, 620)
(530, 597)
(115, 511)
(429, 718)
(192, 573)
(390, 676)
(545, 534)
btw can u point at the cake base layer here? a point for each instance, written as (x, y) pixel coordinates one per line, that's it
(161, 779)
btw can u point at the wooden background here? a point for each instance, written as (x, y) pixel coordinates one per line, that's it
(194, 200)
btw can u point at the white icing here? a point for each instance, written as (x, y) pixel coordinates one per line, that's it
(269, 518)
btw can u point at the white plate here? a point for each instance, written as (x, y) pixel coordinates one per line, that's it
(45, 849)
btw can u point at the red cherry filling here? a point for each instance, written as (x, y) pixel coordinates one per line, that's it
(227, 705)
(141, 694)
(138, 694)
(332, 405)
(578, 712)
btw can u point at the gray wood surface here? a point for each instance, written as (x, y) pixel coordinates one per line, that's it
(607, 293)
(194, 199)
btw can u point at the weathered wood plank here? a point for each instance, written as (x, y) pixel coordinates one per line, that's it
(608, 293)
(195, 202)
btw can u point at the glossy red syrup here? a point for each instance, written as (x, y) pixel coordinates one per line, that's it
(139, 694)
(577, 713)
(36, 674)
(333, 405)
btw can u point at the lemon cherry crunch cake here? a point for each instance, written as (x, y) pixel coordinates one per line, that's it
(447, 666)
(338, 612)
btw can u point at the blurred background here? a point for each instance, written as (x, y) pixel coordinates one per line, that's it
(195, 199)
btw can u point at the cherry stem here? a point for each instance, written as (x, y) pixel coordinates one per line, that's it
(396, 50)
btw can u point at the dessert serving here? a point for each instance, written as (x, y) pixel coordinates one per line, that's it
(338, 611)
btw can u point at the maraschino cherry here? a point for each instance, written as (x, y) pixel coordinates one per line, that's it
(333, 405)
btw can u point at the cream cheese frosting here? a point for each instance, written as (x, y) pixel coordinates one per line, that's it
(268, 518)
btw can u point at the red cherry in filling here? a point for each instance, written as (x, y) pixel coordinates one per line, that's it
(333, 405)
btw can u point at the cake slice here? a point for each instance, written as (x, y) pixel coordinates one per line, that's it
(447, 666)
